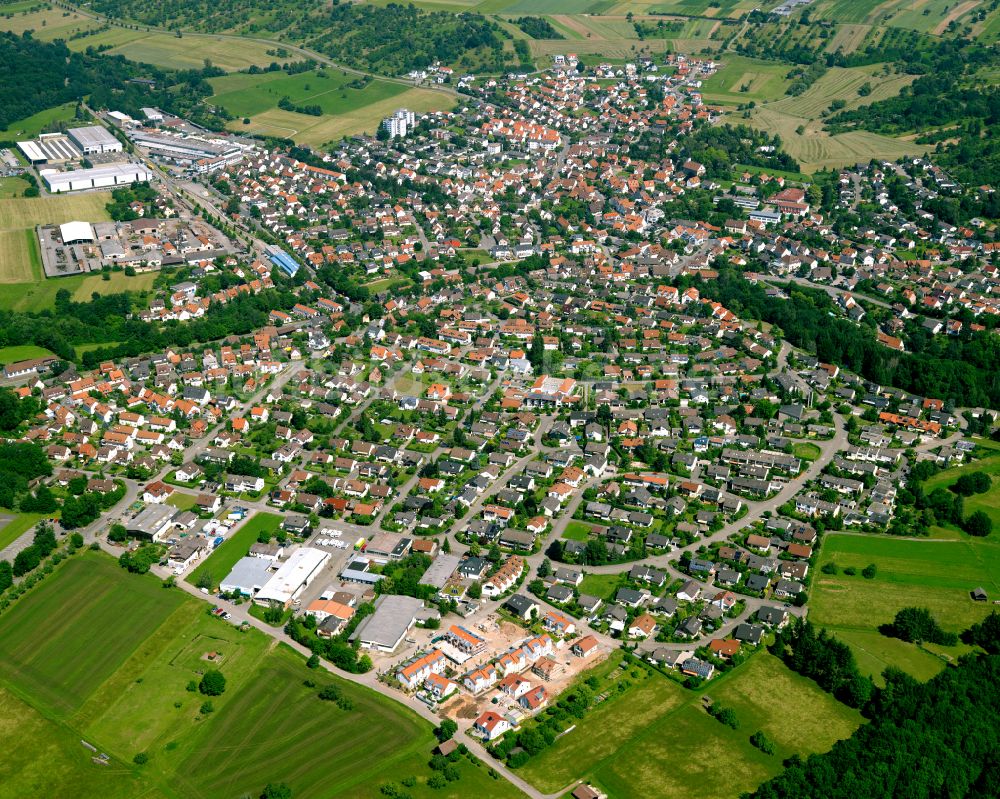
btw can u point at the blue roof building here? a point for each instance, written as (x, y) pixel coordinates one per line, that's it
(284, 262)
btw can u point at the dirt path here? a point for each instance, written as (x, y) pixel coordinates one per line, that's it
(958, 11)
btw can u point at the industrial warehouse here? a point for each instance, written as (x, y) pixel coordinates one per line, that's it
(105, 176)
(144, 244)
(199, 154)
(74, 144)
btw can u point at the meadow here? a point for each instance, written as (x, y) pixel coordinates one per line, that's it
(50, 761)
(764, 80)
(192, 50)
(319, 131)
(936, 573)
(816, 149)
(26, 212)
(41, 295)
(988, 502)
(221, 561)
(30, 127)
(46, 644)
(656, 739)
(245, 95)
(97, 654)
(12, 187)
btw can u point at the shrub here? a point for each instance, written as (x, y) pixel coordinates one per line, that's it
(762, 742)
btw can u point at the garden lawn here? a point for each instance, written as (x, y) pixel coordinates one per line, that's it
(600, 585)
(577, 531)
(806, 451)
(76, 628)
(221, 561)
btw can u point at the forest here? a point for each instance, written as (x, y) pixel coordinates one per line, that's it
(538, 28)
(50, 75)
(961, 369)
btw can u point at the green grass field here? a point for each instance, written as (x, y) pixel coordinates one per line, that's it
(50, 760)
(30, 127)
(40, 295)
(577, 531)
(245, 95)
(12, 187)
(806, 450)
(97, 654)
(937, 574)
(222, 560)
(657, 740)
(20, 261)
(600, 585)
(764, 80)
(46, 644)
(21, 352)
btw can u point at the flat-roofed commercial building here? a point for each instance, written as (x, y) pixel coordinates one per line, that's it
(98, 177)
(152, 522)
(292, 577)
(49, 148)
(94, 140)
(393, 617)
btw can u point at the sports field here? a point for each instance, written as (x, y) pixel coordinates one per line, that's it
(318, 131)
(937, 574)
(657, 740)
(106, 656)
(222, 560)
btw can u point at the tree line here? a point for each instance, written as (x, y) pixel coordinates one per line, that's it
(961, 369)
